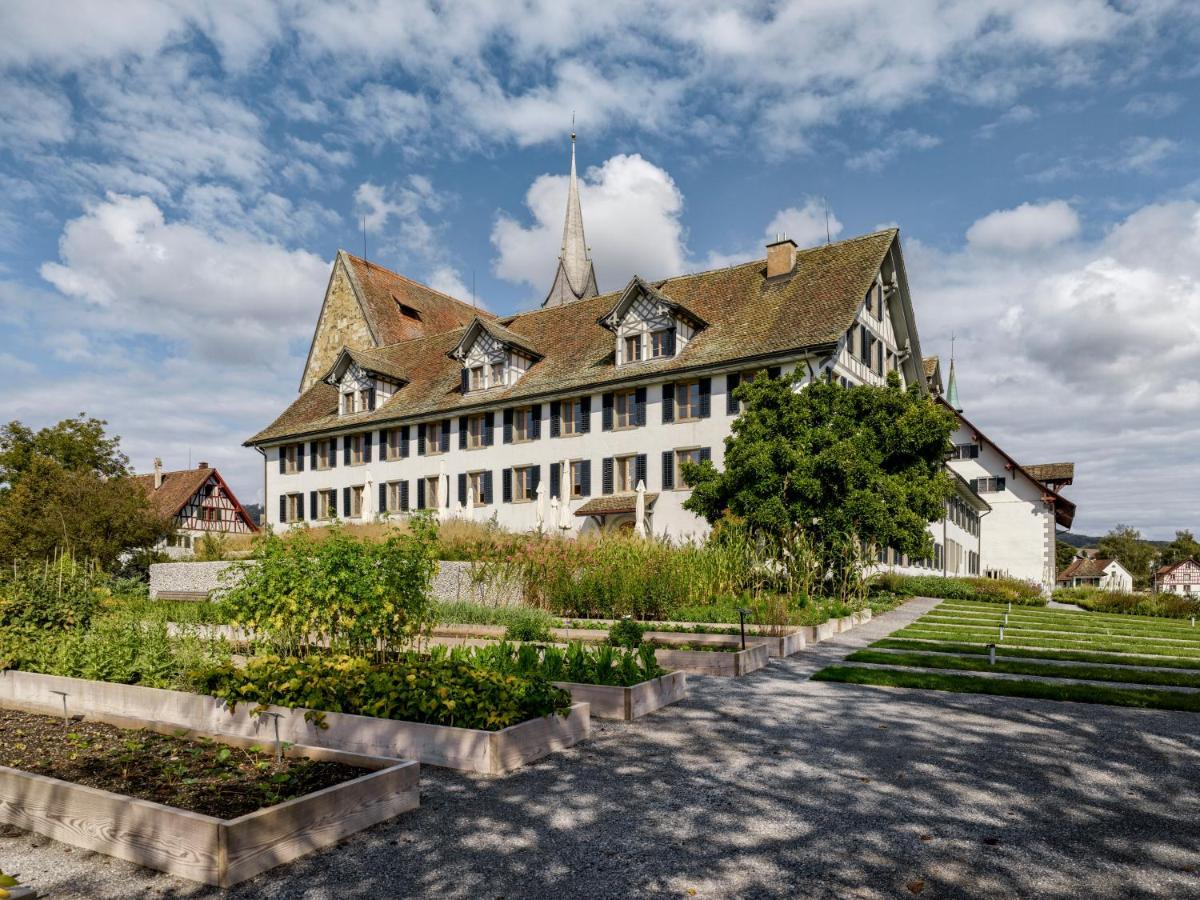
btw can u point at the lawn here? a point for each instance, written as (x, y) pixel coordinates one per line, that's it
(1054, 654)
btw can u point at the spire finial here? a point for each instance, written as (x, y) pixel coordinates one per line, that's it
(576, 278)
(572, 131)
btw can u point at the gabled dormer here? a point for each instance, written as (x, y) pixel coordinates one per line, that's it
(362, 382)
(648, 324)
(492, 356)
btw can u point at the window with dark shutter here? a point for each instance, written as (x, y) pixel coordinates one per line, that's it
(705, 397)
(670, 342)
(535, 478)
(346, 450)
(404, 496)
(606, 416)
(705, 453)
(462, 487)
(606, 475)
(668, 403)
(555, 480)
(732, 380)
(462, 432)
(585, 478)
(465, 383)
(346, 501)
(371, 399)
(487, 488)
(312, 455)
(506, 485)
(535, 422)
(774, 371)
(668, 470)
(420, 493)
(312, 505)
(641, 406)
(584, 425)
(444, 443)
(282, 463)
(299, 457)
(640, 471)
(489, 430)
(421, 442)
(367, 446)
(282, 508)
(383, 489)
(508, 426)
(555, 417)
(404, 448)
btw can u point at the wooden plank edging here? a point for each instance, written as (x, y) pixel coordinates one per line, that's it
(629, 703)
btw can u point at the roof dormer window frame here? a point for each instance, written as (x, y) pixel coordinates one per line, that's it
(360, 388)
(648, 326)
(491, 357)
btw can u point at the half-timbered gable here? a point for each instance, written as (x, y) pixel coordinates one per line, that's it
(492, 357)
(196, 501)
(648, 324)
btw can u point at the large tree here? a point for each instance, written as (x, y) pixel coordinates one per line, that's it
(67, 489)
(1183, 547)
(839, 464)
(1125, 544)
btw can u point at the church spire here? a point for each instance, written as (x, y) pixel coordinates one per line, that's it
(952, 382)
(575, 278)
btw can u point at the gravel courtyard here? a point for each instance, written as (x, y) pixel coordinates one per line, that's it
(772, 785)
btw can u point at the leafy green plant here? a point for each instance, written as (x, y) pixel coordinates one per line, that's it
(528, 625)
(54, 595)
(440, 691)
(626, 633)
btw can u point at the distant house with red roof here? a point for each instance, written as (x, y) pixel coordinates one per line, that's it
(198, 502)
(1182, 577)
(1106, 574)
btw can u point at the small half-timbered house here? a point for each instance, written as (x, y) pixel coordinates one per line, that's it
(198, 502)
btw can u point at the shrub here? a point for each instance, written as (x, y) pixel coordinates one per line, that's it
(50, 595)
(578, 663)
(626, 633)
(213, 547)
(1096, 600)
(526, 624)
(985, 590)
(357, 596)
(411, 688)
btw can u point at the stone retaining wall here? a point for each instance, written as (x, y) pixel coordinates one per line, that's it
(451, 582)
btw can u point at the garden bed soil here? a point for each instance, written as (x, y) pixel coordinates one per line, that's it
(467, 749)
(629, 703)
(195, 774)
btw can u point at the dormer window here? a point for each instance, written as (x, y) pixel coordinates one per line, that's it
(478, 378)
(662, 343)
(649, 325)
(362, 389)
(492, 356)
(633, 348)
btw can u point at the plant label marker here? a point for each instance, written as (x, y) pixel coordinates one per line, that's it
(1010, 606)
(991, 654)
(1193, 621)
(1006, 618)
(66, 718)
(742, 613)
(1001, 632)
(278, 743)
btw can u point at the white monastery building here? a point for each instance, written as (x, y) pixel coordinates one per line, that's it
(577, 416)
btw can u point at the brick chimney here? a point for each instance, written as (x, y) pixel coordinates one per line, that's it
(158, 476)
(781, 257)
(203, 465)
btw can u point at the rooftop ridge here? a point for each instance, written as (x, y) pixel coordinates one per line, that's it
(411, 280)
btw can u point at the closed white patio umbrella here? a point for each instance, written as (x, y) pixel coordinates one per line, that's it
(639, 511)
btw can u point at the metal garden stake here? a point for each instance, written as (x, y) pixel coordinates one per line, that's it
(278, 743)
(66, 718)
(742, 613)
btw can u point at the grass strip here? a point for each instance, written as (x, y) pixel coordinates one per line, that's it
(1066, 655)
(1025, 610)
(1089, 620)
(1032, 667)
(1035, 690)
(1041, 634)
(989, 637)
(1060, 627)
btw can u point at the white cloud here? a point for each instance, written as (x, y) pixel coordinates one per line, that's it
(1153, 105)
(33, 116)
(631, 216)
(218, 298)
(1087, 354)
(1027, 227)
(1142, 154)
(448, 280)
(888, 146)
(807, 226)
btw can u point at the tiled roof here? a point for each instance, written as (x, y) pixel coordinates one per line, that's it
(1168, 569)
(1053, 472)
(176, 490)
(748, 318)
(613, 503)
(375, 364)
(1084, 568)
(384, 290)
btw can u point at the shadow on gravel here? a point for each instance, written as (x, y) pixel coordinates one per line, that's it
(773, 785)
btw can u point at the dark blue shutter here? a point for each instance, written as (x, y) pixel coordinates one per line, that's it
(506, 485)
(606, 475)
(975, 485)
(367, 446)
(371, 399)
(444, 444)
(555, 418)
(383, 497)
(640, 396)
(312, 455)
(332, 450)
(487, 488)
(466, 380)
(585, 477)
(346, 502)
(999, 484)
(508, 426)
(299, 457)
(584, 425)
(346, 450)
(556, 480)
(282, 508)
(640, 470)
(606, 417)
(385, 447)
(282, 461)
(668, 470)
(670, 342)
(668, 403)
(462, 487)
(404, 432)
(535, 479)
(489, 430)
(404, 496)
(774, 371)
(535, 431)
(312, 505)
(705, 453)
(420, 493)
(421, 443)
(462, 432)
(732, 380)
(705, 397)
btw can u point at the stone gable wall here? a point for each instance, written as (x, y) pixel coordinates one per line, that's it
(341, 324)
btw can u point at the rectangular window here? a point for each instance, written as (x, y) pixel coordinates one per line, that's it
(687, 400)
(633, 348)
(294, 507)
(347, 403)
(325, 504)
(326, 451)
(572, 417)
(477, 378)
(432, 500)
(391, 449)
(290, 455)
(660, 344)
(524, 487)
(578, 478)
(479, 487)
(991, 485)
(475, 430)
(397, 496)
(434, 432)
(682, 456)
(356, 502)
(357, 449)
(965, 451)
(523, 424)
(625, 473)
(497, 377)
(625, 406)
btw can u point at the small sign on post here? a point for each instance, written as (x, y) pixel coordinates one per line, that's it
(66, 718)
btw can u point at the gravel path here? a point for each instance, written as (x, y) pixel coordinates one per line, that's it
(773, 785)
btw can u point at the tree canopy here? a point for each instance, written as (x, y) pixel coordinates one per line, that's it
(1125, 544)
(1185, 546)
(77, 445)
(842, 463)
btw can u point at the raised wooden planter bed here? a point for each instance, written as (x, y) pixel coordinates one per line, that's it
(629, 703)
(467, 749)
(714, 662)
(203, 848)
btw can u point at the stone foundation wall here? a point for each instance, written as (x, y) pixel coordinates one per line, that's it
(451, 582)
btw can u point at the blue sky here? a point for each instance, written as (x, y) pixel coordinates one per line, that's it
(175, 180)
